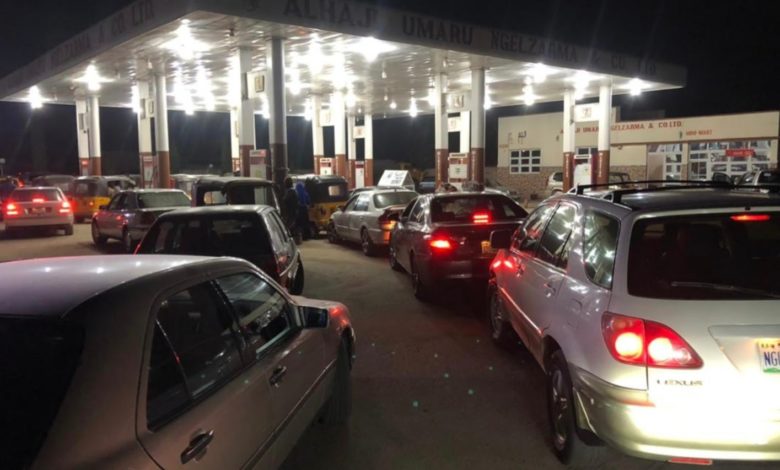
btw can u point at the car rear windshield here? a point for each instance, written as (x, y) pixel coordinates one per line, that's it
(769, 177)
(395, 198)
(463, 208)
(240, 235)
(247, 194)
(557, 177)
(162, 199)
(327, 192)
(39, 358)
(715, 256)
(30, 195)
(85, 188)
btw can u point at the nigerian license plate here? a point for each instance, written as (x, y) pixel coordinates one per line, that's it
(486, 248)
(769, 355)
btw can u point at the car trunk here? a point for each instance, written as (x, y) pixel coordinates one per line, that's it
(471, 241)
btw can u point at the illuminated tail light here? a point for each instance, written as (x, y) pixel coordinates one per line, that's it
(642, 342)
(65, 208)
(750, 217)
(385, 222)
(496, 264)
(38, 200)
(11, 209)
(481, 218)
(440, 244)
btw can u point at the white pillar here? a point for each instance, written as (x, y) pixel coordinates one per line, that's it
(235, 151)
(277, 108)
(478, 124)
(441, 134)
(569, 132)
(82, 135)
(318, 146)
(161, 129)
(339, 142)
(465, 131)
(605, 111)
(368, 164)
(144, 120)
(351, 150)
(246, 110)
(95, 167)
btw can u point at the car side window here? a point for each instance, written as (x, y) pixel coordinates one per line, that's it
(275, 232)
(264, 315)
(130, 202)
(599, 245)
(350, 204)
(556, 236)
(163, 236)
(194, 327)
(418, 212)
(408, 209)
(528, 235)
(116, 202)
(362, 203)
(283, 232)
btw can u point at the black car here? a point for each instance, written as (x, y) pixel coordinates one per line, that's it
(255, 233)
(446, 237)
(222, 190)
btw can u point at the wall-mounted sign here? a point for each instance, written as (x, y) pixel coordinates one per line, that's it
(453, 124)
(458, 101)
(359, 132)
(325, 118)
(586, 112)
(740, 153)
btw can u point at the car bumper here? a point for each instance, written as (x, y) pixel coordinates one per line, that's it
(379, 237)
(14, 222)
(454, 270)
(138, 232)
(628, 420)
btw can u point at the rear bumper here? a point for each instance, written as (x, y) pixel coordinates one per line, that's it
(379, 237)
(39, 221)
(436, 269)
(137, 232)
(627, 420)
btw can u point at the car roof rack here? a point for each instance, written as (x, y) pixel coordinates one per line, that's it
(616, 195)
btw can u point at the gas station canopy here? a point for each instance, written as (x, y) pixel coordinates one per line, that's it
(383, 60)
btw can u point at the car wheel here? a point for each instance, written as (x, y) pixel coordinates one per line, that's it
(297, 287)
(567, 444)
(339, 406)
(78, 220)
(69, 229)
(420, 289)
(332, 236)
(97, 238)
(393, 259)
(500, 329)
(366, 244)
(127, 241)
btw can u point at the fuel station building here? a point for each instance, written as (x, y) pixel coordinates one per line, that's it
(337, 63)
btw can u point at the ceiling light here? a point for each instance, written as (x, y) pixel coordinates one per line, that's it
(635, 86)
(315, 58)
(184, 44)
(34, 97)
(432, 96)
(371, 47)
(539, 72)
(393, 104)
(204, 90)
(413, 107)
(488, 102)
(385, 96)
(579, 93)
(308, 111)
(92, 78)
(350, 99)
(135, 99)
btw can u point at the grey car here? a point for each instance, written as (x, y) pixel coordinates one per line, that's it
(150, 362)
(369, 217)
(130, 214)
(654, 313)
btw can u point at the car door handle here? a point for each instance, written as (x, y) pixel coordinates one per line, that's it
(197, 446)
(549, 289)
(278, 375)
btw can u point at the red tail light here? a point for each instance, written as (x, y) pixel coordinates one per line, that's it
(481, 218)
(440, 244)
(642, 342)
(65, 208)
(11, 209)
(750, 217)
(496, 263)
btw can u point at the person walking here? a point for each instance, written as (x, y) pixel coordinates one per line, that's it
(304, 202)
(290, 208)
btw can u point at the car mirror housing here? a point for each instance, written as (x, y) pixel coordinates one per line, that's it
(500, 239)
(315, 317)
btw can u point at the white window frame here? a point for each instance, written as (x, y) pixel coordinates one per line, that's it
(525, 161)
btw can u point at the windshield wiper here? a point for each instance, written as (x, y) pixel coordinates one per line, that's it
(726, 288)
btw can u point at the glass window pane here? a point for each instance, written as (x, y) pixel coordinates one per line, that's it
(166, 393)
(599, 245)
(527, 238)
(556, 234)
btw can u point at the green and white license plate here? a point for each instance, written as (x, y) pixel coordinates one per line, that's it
(769, 355)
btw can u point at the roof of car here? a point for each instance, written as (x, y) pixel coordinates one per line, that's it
(695, 198)
(230, 179)
(153, 190)
(54, 286)
(463, 193)
(217, 209)
(35, 188)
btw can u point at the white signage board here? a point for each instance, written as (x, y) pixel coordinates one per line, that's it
(582, 174)
(453, 124)
(359, 132)
(586, 112)
(396, 178)
(458, 102)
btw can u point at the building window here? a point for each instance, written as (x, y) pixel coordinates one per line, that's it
(671, 156)
(732, 158)
(525, 161)
(586, 151)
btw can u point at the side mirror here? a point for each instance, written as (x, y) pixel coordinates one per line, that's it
(315, 317)
(102, 207)
(500, 239)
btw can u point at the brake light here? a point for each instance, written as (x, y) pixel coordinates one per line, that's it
(65, 208)
(440, 244)
(10, 209)
(496, 263)
(642, 342)
(481, 217)
(38, 200)
(750, 217)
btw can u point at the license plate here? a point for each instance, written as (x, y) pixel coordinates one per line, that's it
(38, 210)
(769, 355)
(486, 248)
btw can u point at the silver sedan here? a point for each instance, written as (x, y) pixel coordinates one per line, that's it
(159, 361)
(369, 217)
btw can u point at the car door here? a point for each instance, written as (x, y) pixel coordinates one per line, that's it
(398, 235)
(341, 218)
(292, 358)
(356, 215)
(415, 234)
(105, 219)
(200, 406)
(522, 251)
(283, 246)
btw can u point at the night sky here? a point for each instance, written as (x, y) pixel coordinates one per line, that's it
(729, 48)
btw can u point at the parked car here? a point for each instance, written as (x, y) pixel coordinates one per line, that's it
(32, 207)
(184, 181)
(555, 183)
(157, 361)
(369, 217)
(760, 177)
(129, 214)
(254, 233)
(91, 192)
(7, 185)
(64, 182)
(446, 237)
(427, 182)
(654, 317)
(495, 186)
(222, 190)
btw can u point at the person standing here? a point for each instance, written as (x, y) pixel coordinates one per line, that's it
(290, 207)
(304, 202)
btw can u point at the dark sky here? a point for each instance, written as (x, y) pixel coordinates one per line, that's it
(729, 48)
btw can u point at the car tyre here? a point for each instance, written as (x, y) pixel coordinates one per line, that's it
(567, 442)
(421, 290)
(393, 259)
(501, 331)
(127, 241)
(68, 229)
(97, 238)
(297, 287)
(366, 244)
(339, 406)
(332, 235)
